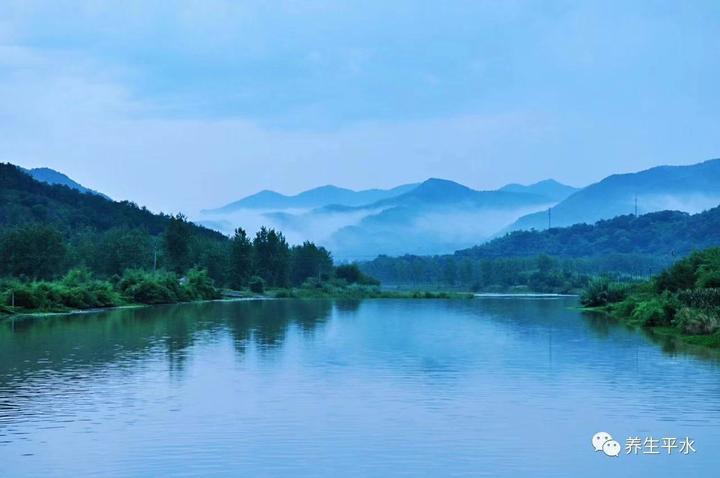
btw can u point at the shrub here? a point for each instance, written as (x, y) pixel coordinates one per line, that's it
(709, 279)
(353, 275)
(626, 307)
(700, 269)
(151, 288)
(654, 312)
(601, 291)
(77, 290)
(200, 285)
(165, 287)
(312, 283)
(700, 298)
(257, 285)
(149, 292)
(697, 322)
(24, 296)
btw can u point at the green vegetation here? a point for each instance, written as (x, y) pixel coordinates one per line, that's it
(339, 289)
(63, 249)
(165, 287)
(539, 274)
(352, 274)
(664, 233)
(683, 300)
(560, 259)
(78, 289)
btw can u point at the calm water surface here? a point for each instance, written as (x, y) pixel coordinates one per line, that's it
(486, 387)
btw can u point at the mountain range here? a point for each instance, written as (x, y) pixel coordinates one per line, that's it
(691, 188)
(411, 218)
(439, 216)
(316, 197)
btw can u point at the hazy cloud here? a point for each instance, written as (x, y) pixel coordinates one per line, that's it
(191, 104)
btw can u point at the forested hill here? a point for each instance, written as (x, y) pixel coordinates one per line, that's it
(23, 200)
(559, 259)
(671, 233)
(690, 188)
(55, 233)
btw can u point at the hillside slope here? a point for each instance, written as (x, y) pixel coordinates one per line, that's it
(687, 188)
(50, 176)
(672, 233)
(24, 200)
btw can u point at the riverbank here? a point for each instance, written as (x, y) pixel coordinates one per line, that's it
(78, 290)
(618, 312)
(350, 292)
(683, 302)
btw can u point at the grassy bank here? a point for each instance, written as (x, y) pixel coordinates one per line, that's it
(682, 302)
(79, 290)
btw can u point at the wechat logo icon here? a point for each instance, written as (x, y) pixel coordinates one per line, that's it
(603, 441)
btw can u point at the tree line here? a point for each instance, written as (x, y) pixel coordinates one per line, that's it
(47, 230)
(539, 273)
(42, 252)
(560, 259)
(671, 234)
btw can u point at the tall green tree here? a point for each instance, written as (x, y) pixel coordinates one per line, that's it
(271, 257)
(35, 251)
(177, 243)
(241, 259)
(213, 257)
(122, 249)
(309, 260)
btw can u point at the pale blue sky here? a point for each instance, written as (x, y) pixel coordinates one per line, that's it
(191, 104)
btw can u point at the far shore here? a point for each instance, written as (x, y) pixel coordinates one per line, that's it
(350, 293)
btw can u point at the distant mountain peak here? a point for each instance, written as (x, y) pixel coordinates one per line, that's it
(328, 187)
(550, 188)
(441, 183)
(317, 197)
(548, 182)
(53, 177)
(437, 189)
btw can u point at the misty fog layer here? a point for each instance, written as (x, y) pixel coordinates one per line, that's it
(357, 233)
(440, 216)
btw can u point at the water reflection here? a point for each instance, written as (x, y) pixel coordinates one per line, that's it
(53, 357)
(265, 324)
(603, 326)
(125, 335)
(359, 388)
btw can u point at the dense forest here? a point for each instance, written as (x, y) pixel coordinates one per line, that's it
(664, 233)
(61, 247)
(542, 273)
(560, 259)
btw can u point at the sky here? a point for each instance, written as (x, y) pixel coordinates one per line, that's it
(189, 104)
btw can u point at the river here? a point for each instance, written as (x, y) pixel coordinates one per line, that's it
(494, 386)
